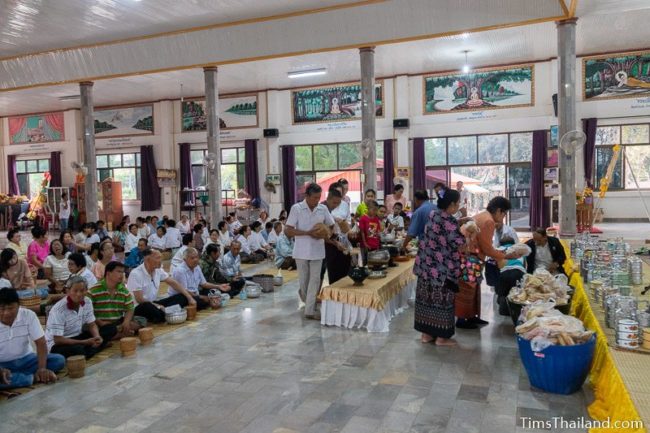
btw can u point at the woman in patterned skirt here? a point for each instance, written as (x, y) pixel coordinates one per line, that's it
(437, 267)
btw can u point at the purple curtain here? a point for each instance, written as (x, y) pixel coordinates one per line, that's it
(419, 168)
(14, 189)
(289, 176)
(252, 177)
(55, 169)
(589, 127)
(186, 172)
(539, 205)
(389, 167)
(150, 191)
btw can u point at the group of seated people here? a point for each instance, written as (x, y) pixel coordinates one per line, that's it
(90, 296)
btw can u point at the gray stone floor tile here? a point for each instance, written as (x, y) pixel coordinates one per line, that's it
(259, 367)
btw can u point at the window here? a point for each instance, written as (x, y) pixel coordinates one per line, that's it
(30, 175)
(327, 163)
(633, 164)
(489, 165)
(233, 170)
(124, 168)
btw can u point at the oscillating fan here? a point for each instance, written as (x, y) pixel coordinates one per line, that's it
(79, 167)
(572, 142)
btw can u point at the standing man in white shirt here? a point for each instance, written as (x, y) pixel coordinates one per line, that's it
(309, 250)
(19, 365)
(64, 212)
(144, 283)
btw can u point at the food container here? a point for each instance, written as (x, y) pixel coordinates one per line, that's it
(225, 298)
(626, 325)
(214, 297)
(264, 280)
(252, 291)
(379, 257)
(630, 335)
(128, 346)
(278, 280)
(176, 318)
(646, 334)
(146, 336)
(625, 290)
(646, 344)
(191, 312)
(628, 344)
(76, 366)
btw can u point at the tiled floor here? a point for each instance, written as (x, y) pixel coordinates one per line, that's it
(259, 367)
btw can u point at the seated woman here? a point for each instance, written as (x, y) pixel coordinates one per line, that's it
(71, 328)
(547, 253)
(284, 252)
(246, 254)
(67, 239)
(198, 239)
(105, 256)
(77, 268)
(213, 239)
(119, 238)
(15, 243)
(256, 241)
(224, 236)
(19, 276)
(19, 365)
(92, 256)
(157, 240)
(38, 250)
(56, 267)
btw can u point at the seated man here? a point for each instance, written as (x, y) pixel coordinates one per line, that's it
(547, 253)
(144, 283)
(77, 268)
(275, 233)
(177, 260)
(113, 304)
(284, 253)
(135, 257)
(19, 365)
(211, 270)
(230, 267)
(189, 275)
(71, 328)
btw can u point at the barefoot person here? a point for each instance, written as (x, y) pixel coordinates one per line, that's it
(437, 267)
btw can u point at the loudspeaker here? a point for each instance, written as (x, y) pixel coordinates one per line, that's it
(272, 132)
(555, 104)
(400, 123)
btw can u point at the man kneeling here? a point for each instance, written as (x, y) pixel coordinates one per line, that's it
(189, 275)
(19, 365)
(144, 282)
(65, 333)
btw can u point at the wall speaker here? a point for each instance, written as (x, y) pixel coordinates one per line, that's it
(400, 123)
(272, 132)
(555, 104)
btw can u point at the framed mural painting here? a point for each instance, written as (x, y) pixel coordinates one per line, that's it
(332, 103)
(620, 75)
(37, 128)
(124, 121)
(481, 89)
(236, 112)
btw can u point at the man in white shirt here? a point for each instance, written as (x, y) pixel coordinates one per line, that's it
(19, 365)
(184, 225)
(144, 283)
(143, 229)
(177, 260)
(309, 250)
(173, 237)
(71, 329)
(189, 275)
(64, 212)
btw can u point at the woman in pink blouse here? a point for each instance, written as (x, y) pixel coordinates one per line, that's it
(396, 197)
(38, 251)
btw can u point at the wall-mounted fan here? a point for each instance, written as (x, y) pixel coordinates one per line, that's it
(79, 168)
(572, 142)
(364, 147)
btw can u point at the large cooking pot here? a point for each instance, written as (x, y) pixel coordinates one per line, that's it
(378, 257)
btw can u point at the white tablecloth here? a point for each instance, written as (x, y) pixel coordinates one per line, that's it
(352, 316)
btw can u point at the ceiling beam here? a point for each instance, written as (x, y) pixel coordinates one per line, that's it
(371, 23)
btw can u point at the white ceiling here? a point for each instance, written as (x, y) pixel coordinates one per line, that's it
(28, 26)
(503, 46)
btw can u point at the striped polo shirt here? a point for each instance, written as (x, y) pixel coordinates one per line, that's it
(110, 307)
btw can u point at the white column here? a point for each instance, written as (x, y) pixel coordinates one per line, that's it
(212, 115)
(88, 139)
(566, 48)
(367, 57)
(402, 111)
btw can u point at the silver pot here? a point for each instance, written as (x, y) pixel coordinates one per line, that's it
(253, 291)
(379, 257)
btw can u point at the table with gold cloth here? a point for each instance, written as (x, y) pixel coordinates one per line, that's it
(371, 305)
(621, 379)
